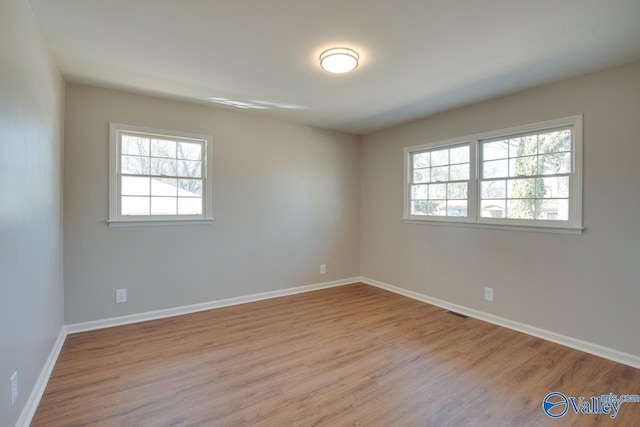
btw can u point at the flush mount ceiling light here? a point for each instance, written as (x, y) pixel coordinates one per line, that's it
(339, 60)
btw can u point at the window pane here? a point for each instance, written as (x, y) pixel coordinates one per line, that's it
(163, 206)
(421, 160)
(438, 191)
(189, 206)
(457, 191)
(190, 151)
(421, 175)
(457, 208)
(419, 192)
(554, 163)
(459, 172)
(459, 155)
(493, 189)
(523, 146)
(556, 210)
(553, 187)
(495, 150)
(135, 146)
(134, 186)
(523, 188)
(495, 169)
(440, 173)
(437, 207)
(134, 205)
(189, 169)
(135, 165)
(163, 148)
(190, 187)
(164, 187)
(419, 207)
(522, 208)
(523, 166)
(554, 142)
(493, 208)
(439, 157)
(165, 167)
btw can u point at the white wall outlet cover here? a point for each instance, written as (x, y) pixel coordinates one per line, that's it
(121, 296)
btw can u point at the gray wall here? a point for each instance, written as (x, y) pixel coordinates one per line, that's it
(286, 199)
(587, 286)
(31, 107)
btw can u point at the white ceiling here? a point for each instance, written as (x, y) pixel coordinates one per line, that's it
(418, 57)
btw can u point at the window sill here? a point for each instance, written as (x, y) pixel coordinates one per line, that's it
(151, 222)
(529, 228)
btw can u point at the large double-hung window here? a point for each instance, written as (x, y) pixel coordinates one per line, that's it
(529, 176)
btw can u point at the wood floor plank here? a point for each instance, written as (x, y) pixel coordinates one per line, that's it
(352, 355)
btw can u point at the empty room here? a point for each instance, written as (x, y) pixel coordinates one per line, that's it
(319, 213)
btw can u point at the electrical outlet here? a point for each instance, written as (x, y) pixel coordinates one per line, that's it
(323, 268)
(488, 294)
(121, 296)
(14, 388)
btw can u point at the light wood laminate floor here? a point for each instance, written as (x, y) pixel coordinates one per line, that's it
(352, 355)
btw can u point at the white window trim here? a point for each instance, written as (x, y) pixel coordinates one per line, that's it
(117, 220)
(572, 226)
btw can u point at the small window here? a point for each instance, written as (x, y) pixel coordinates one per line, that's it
(158, 176)
(440, 181)
(528, 176)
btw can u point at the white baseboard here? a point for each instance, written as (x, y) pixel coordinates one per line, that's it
(33, 401)
(36, 394)
(176, 311)
(587, 347)
(29, 410)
